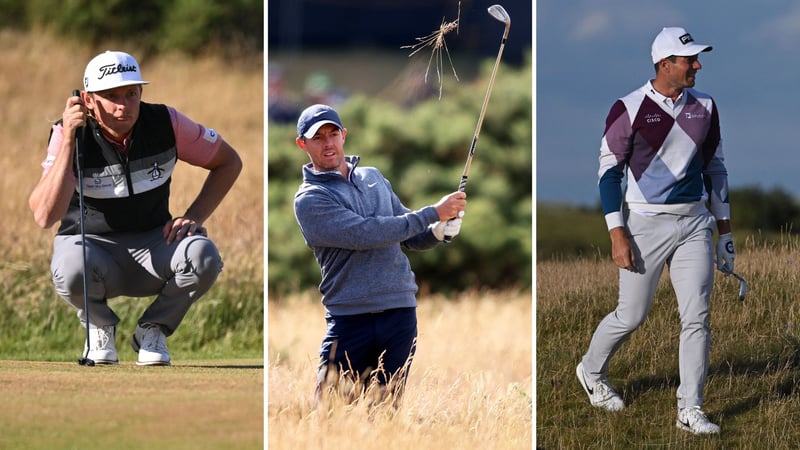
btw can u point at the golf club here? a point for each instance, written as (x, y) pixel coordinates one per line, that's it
(742, 285)
(84, 361)
(499, 13)
(742, 282)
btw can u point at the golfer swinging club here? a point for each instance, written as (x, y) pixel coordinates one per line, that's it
(357, 227)
(134, 246)
(664, 137)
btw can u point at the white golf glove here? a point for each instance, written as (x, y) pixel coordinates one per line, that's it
(725, 253)
(447, 228)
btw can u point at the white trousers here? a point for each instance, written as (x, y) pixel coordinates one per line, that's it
(685, 245)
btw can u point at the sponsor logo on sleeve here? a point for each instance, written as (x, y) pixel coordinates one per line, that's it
(210, 135)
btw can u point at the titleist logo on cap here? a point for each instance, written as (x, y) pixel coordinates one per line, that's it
(686, 38)
(111, 69)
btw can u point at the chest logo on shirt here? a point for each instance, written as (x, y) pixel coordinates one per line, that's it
(693, 115)
(652, 118)
(155, 172)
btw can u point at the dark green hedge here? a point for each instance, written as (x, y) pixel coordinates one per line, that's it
(154, 25)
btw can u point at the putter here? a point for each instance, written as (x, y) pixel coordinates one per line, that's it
(84, 361)
(499, 13)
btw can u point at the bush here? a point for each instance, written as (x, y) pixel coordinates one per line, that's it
(757, 210)
(188, 26)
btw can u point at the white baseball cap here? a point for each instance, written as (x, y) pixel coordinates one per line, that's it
(675, 41)
(110, 70)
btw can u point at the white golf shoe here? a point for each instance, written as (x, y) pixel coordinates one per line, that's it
(694, 420)
(151, 344)
(601, 394)
(101, 345)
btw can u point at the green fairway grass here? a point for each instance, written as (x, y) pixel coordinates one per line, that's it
(199, 404)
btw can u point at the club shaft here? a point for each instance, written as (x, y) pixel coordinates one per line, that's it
(462, 185)
(465, 174)
(83, 237)
(79, 166)
(78, 157)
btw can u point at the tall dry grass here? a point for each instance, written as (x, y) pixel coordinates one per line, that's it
(40, 71)
(469, 387)
(752, 389)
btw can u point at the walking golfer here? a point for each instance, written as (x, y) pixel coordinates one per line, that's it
(357, 228)
(664, 138)
(134, 246)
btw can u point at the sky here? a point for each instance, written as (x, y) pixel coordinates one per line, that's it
(591, 53)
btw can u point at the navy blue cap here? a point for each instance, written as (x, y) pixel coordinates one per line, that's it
(314, 117)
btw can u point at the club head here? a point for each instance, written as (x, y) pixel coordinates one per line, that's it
(86, 362)
(742, 285)
(742, 282)
(499, 13)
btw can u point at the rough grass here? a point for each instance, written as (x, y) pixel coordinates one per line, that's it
(470, 385)
(754, 368)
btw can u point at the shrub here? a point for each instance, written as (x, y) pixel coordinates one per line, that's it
(185, 25)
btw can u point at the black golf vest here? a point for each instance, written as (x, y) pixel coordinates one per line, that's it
(124, 193)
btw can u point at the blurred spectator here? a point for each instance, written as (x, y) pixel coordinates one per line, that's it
(319, 89)
(280, 106)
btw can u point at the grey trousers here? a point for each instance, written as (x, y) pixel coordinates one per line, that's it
(135, 265)
(684, 244)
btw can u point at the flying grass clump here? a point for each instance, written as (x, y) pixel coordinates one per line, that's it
(435, 41)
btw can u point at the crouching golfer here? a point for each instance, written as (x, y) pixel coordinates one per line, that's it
(134, 246)
(357, 228)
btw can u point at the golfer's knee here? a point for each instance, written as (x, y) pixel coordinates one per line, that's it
(699, 325)
(630, 322)
(68, 279)
(202, 260)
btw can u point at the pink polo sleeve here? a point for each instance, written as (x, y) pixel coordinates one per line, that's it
(53, 147)
(196, 144)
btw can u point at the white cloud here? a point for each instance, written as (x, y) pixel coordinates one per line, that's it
(782, 31)
(591, 25)
(594, 20)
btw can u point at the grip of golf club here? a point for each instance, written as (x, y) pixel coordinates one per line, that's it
(79, 131)
(447, 239)
(76, 93)
(462, 186)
